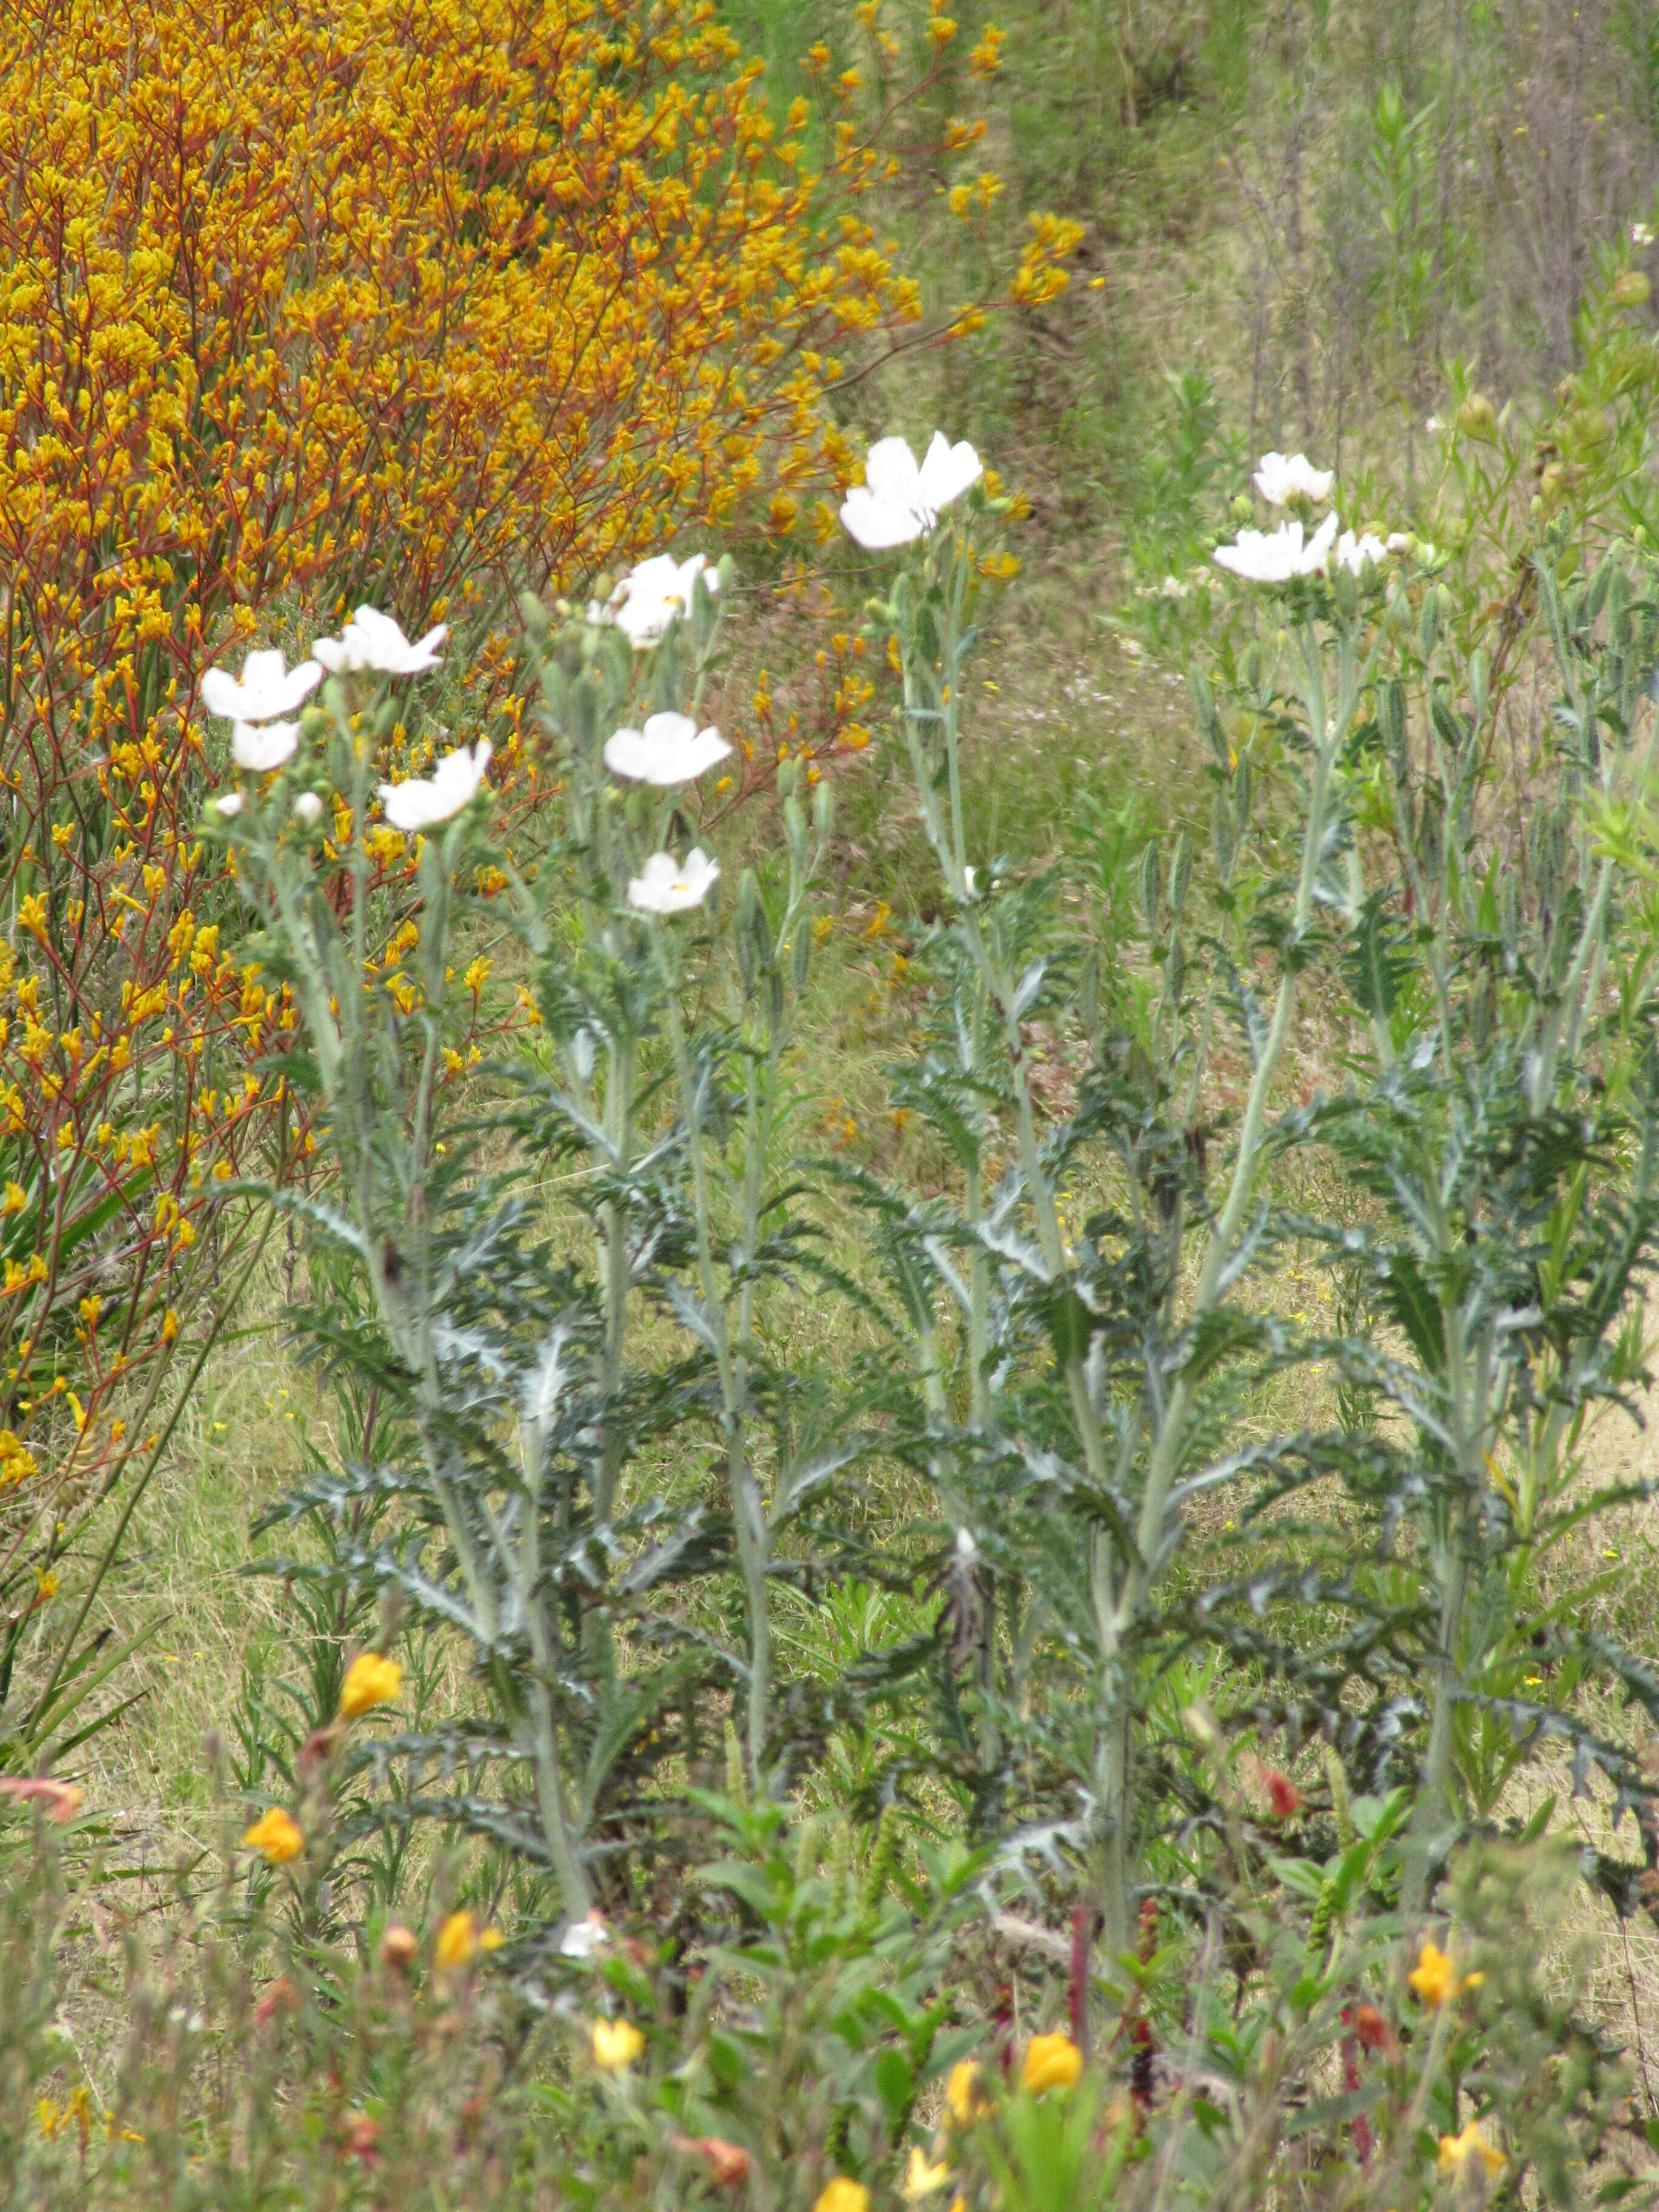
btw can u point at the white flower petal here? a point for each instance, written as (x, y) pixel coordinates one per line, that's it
(948, 472)
(1275, 557)
(308, 807)
(229, 805)
(1282, 477)
(890, 473)
(666, 885)
(375, 640)
(267, 688)
(261, 749)
(1356, 553)
(670, 750)
(878, 525)
(1319, 547)
(898, 502)
(651, 595)
(423, 801)
(584, 1937)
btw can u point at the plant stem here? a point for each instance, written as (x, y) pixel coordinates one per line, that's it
(749, 1521)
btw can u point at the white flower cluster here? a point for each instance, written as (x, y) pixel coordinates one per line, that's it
(262, 741)
(1275, 556)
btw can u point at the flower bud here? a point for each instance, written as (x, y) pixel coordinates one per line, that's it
(1478, 419)
(1630, 288)
(398, 1947)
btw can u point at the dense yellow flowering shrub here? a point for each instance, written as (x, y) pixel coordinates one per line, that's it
(419, 300)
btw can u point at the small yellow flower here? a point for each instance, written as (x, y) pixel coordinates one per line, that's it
(986, 58)
(1434, 1980)
(276, 1835)
(962, 2093)
(15, 1200)
(457, 1939)
(843, 2196)
(1051, 2062)
(616, 2045)
(371, 1680)
(1457, 2151)
(922, 2177)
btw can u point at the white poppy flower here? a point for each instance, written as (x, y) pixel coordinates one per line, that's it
(584, 1937)
(1356, 553)
(308, 807)
(371, 640)
(668, 886)
(898, 502)
(259, 751)
(423, 801)
(1401, 541)
(1282, 477)
(229, 805)
(1275, 557)
(268, 688)
(670, 750)
(650, 596)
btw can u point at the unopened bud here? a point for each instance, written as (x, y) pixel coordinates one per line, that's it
(398, 1947)
(1631, 289)
(1478, 419)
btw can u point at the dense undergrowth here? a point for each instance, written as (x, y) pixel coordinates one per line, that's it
(784, 1428)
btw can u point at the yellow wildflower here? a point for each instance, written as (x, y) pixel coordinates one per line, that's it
(986, 58)
(1051, 2062)
(371, 1679)
(843, 2196)
(1457, 2151)
(616, 2045)
(963, 2096)
(457, 1939)
(277, 1836)
(1433, 1980)
(923, 2178)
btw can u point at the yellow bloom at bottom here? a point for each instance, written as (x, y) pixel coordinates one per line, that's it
(922, 2177)
(843, 2196)
(1051, 2062)
(616, 2045)
(276, 1834)
(1457, 2151)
